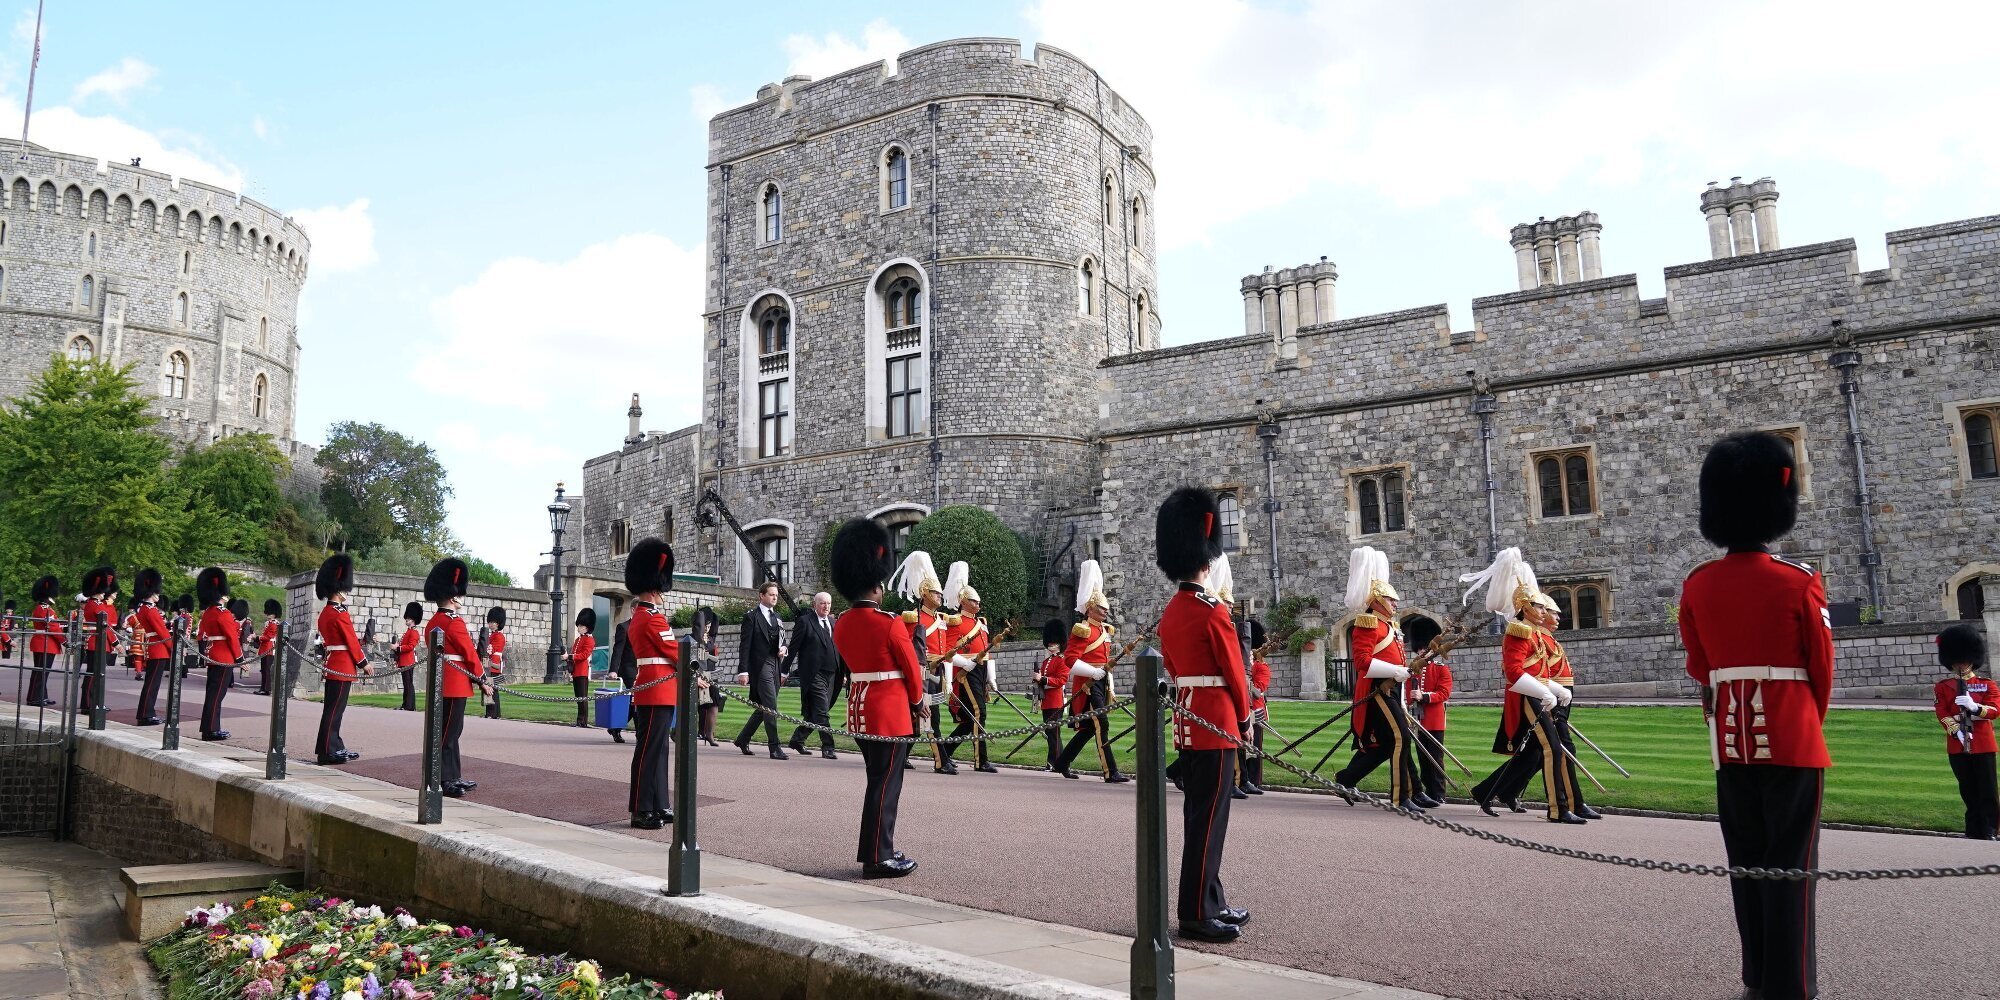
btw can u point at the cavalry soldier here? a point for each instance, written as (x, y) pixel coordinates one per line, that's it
(579, 663)
(885, 685)
(1967, 704)
(45, 639)
(221, 643)
(1090, 680)
(916, 580)
(458, 671)
(972, 668)
(1381, 730)
(1052, 683)
(98, 587)
(1760, 643)
(649, 574)
(151, 642)
(406, 652)
(496, 662)
(1200, 650)
(267, 644)
(1429, 689)
(1529, 734)
(1252, 778)
(344, 656)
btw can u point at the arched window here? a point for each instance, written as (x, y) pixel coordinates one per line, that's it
(1229, 520)
(896, 179)
(1584, 604)
(263, 333)
(899, 521)
(1971, 600)
(903, 304)
(260, 390)
(773, 544)
(897, 376)
(1564, 484)
(1110, 201)
(194, 226)
(1086, 288)
(773, 323)
(89, 292)
(774, 327)
(181, 309)
(90, 245)
(45, 198)
(176, 377)
(1979, 445)
(80, 348)
(1138, 221)
(773, 201)
(1139, 311)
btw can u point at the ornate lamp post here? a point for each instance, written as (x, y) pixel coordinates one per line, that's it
(558, 522)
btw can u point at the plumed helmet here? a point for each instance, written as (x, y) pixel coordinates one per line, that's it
(413, 612)
(1749, 490)
(860, 558)
(1187, 533)
(272, 607)
(958, 584)
(586, 618)
(1090, 587)
(44, 589)
(1418, 631)
(1367, 578)
(916, 577)
(649, 567)
(1257, 634)
(146, 585)
(1222, 580)
(447, 580)
(336, 576)
(1961, 643)
(240, 607)
(1510, 585)
(1054, 632)
(496, 616)
(210, 586)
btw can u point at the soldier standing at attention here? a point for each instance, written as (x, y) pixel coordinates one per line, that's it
(45, 638)
(1252, 781)
(886, 683)
(579, 663)
(971, 668)
(1052, 681)
(1760, 644)
(649, 574)
(151, 642)
(496, 663)
(406, 653)
(98, 586)
(1429, 689)
(343, 657)
(1381, 730)
(916, 580)
(1090, 680)
(459, 670)
(1967, 704)
(7, 623)
(221, 643)
(267, 644)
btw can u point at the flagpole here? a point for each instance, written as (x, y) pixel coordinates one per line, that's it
(33, 62)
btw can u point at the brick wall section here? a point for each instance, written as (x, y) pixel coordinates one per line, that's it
(382, 596)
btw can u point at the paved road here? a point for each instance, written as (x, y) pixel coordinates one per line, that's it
(1339, 890)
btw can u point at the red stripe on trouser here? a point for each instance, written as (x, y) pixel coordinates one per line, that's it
(639, 761)
(1208, 842)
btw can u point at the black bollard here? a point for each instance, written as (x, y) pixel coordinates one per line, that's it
(1153, 945)
(170, 733)
(287, 661)
(430, 801)
(97, 662)
(684, 857)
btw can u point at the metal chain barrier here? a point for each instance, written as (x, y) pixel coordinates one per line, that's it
(1647, 864)
(991, 734)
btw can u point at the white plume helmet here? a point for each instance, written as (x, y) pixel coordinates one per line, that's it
(916, 577)
(1221, 582)
(1090, 587)
(1510, 585)
(958, 584)
(1367, 578)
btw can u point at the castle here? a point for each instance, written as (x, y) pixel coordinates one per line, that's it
(934, 284)
(194, 286)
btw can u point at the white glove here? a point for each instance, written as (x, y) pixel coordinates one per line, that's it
(742, 678)
(1530, 687)
(1383, 670)
(1561, 692)
(1965, 701)
(960, 662)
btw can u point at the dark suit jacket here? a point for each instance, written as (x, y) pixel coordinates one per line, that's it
(757, 649)
(811, 656)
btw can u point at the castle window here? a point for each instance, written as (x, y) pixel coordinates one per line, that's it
(1971, 600)
(90, 245)
(895, 179)
(895, 354)
(773, 201)
(187, 261)
(176, 386)
(667, 526)
(1801, 463)
(89, 297)
(1139, 311)
(621, 537)
(774, 331)
(80, 348)
(149, 216)
(898, 521)
(259, 391)
(905, 396)
(776, 550)
(1378, 501)
(903, 305)
(1229, 520)
(263, 333)
(1110, 201)
(1086, 288)
(181, 309)
(1983, 459)
(1138, 222)
(3, 233)
(774, 418)
(1584, 604)
(45, 198)
(1565, 483)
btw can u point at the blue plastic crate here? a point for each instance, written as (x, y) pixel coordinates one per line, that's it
(614, 712)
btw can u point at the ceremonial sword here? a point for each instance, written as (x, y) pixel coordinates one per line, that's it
(1578, 733)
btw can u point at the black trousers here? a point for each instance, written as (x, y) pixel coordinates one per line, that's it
(493, 696)
(1430, 769)
(332, 709)
(579, 687)
(449, 764)
(1384, 737)
(264, 673)
(149, 690)
(1976, 786)
(815, 697)
(970, 714)
(38, 677)
(764, 693)
(211, 705)
(1094, 730)
(1770, 818)
(654, 726)
(409, 678)
(1250, 768)
(86, 687)
(884, 763)
(1544, 752)
(1053, 733)
(1208, 776)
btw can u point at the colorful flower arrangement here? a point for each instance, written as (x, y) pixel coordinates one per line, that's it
(290, 944)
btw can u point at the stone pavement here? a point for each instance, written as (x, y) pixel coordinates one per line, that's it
(61, 926)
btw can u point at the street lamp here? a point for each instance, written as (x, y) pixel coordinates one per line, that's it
(558, 522)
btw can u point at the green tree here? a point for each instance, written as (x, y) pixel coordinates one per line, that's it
(381, 485)
(485, 572)
(298, 534)
(397, 558)
(999, 570)
(233, 490)
(84, 480)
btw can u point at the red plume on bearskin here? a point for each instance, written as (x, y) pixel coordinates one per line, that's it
(336, 576)
(1186, 536)
(1749, 490)
(448, 579)
(649, 567)
(210, 586)
(44, 589)
(861, 559)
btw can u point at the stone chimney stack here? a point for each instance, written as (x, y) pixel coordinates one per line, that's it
(1277, 303)
(633, 435)
(1742, 218)
(1557, 252)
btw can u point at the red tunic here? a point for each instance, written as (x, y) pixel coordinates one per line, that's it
(343, 647)
(1054, 675)
(1260, 683)
(931, 627)
(151, 634)
(495, 645)
(1755, 610)
(91, 609)
(221, 636)
(981, 639)
(1437, 683)
(1521, 654)
(267, 641)
(1089, 643)
(1373, 638)
(406, 647)
(457, 655)
(579, 655)
(1198, 647)
(1982, 690)
(6, 635)
(658, 655)
(885, 679)
(48, 629)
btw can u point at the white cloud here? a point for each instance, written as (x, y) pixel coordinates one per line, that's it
(24, 28)
(108, 138)
(705, 100)
(259, 128)
(467, 440)
(130, 74)
(833, 52)
(343, 236)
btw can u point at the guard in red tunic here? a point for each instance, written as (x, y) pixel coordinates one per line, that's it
(1090, 680)
(1051, 683)
(1529, 734)
(45, 639)
(579, 663)
(151, 642)
(916, 580)
(458, 666)
(1251, 766)
(267, 644)
(135, 651)
(1428, 690)
(1200, 650)
(1760, 644)
(98, 587)
(344, 656)
(406, 653)
(1967, 704)
(649, 574)
(7, 624)
(496, 660)
(220, 639)
(1381, 729)
(971, 668)
(885, 684)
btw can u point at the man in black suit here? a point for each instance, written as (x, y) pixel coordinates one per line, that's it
(760, 646)
(814, 661)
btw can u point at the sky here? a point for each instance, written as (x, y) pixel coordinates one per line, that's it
(505, 200)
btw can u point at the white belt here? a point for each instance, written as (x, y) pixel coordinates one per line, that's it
(880, 675)
(1205, 681)
(453, 658)
(1724, 675)
(336, 649)
(654, 661)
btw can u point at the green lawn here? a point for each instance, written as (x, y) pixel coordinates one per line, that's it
(1889, 767)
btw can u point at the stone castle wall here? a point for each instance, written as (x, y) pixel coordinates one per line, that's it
(382, 596)
(143, 239)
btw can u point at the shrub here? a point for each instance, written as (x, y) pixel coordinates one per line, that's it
(998, 563)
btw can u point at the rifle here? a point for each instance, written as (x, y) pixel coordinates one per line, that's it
(367, 640)
(478, 670)
(1966, 720)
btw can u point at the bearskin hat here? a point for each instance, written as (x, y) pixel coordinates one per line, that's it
(240, 607)
(587, 618)
(413, 612)
(1418, 631)
(272, 607)
(1961, 643)
(1749, 490)
(184, 602)
(1054, 632)
(9, 606)
(447, 580)
(336, 576)
(861, 559)
(1256, 634)
(146, 585)
(649, 567)
(44, 589)
(496, 616)
(210, 585)
(1187, 535)
(93, 581)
